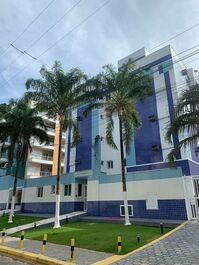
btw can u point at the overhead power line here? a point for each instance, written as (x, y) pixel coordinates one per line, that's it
(28, 26)
(175, 36)
(65, 35)
(40, 37)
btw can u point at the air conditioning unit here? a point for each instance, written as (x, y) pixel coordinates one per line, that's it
(79, 118)
(152, 118)
(197, 149)
(184, 72)
(155, 147)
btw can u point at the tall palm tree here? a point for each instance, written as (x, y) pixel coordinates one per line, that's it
(117, 92)
(185, 121)
(57, 93)
(19, 124)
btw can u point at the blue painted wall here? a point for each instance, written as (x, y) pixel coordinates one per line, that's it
(168, 209)
(84, 148)
(187, 167)
(49, 207)
(148, 134)
(171, 107)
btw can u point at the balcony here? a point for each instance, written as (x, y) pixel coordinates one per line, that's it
(50, 131)
(3, 157)
(49, 146)
(39, 174)
(41, 159)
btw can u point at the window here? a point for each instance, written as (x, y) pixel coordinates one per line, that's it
(67, 190)
(152, 201)
(160, 68)
(102, 162)
(79, 190)
(130, 209)
(110, 164)
(40, 192)
(52, 189)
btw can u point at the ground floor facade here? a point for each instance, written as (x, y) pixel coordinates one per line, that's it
(157, 193)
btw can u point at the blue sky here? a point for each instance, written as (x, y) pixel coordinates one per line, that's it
(118, 29)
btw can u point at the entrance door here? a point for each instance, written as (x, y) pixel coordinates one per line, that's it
(196, 196)
(192, 196)
(85, 197)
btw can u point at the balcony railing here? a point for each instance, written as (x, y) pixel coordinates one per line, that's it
(3, 155)
(45, 173)
(42, 157)
(50, 130)
(40, 174)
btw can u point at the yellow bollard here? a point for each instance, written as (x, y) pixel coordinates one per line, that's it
(3, 234)
(119, 244)
(21, 242)
(43, 248)
(72, 248)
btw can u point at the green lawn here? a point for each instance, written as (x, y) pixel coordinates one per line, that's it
(17, 220)
(98, 236)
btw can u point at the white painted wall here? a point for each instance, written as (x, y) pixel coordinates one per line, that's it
(171, 188)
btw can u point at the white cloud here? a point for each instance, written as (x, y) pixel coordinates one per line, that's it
(118, 29)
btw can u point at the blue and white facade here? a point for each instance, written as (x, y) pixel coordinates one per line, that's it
(92, 179)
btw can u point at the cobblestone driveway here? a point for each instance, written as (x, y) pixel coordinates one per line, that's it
(181, 248)
(8, 261)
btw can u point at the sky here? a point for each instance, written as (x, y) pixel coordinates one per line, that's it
(117, 29)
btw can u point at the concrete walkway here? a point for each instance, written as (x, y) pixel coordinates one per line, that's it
(180, 248)
(44, 222)
(82, 256)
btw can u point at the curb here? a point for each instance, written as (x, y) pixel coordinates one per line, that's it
(114, 258)
(31, 257)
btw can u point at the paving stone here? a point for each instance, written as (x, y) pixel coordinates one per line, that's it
(180, 248)
(8, 261)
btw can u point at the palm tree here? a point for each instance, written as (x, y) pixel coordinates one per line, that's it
(19, 124)
(120, 89)
(185, 121)
(57, 94)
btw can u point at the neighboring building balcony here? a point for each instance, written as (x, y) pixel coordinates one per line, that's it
(41, 159)
(50, 131)
(39, 174)
(49, 146)
(3, 157)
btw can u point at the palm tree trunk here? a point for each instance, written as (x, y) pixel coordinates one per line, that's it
(57, 205)
(14, 193)
(126, 212)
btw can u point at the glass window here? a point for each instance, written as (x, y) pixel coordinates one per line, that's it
(67, 190)
(39, 192)
(52, 189)
(79, 190)
(130, 210)
(110, 164)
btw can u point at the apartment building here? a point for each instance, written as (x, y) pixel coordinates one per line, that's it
(92, 174)
(43, 159)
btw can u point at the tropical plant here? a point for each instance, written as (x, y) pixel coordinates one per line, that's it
(117, 92)
(19, 124)
(185, 121)
(57, 93)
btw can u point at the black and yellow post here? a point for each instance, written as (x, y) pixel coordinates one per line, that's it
(21, 242)
(161, 228)
(138, 238)
(72, 248)
(119, 244)
(43, 248)
(3, 235)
